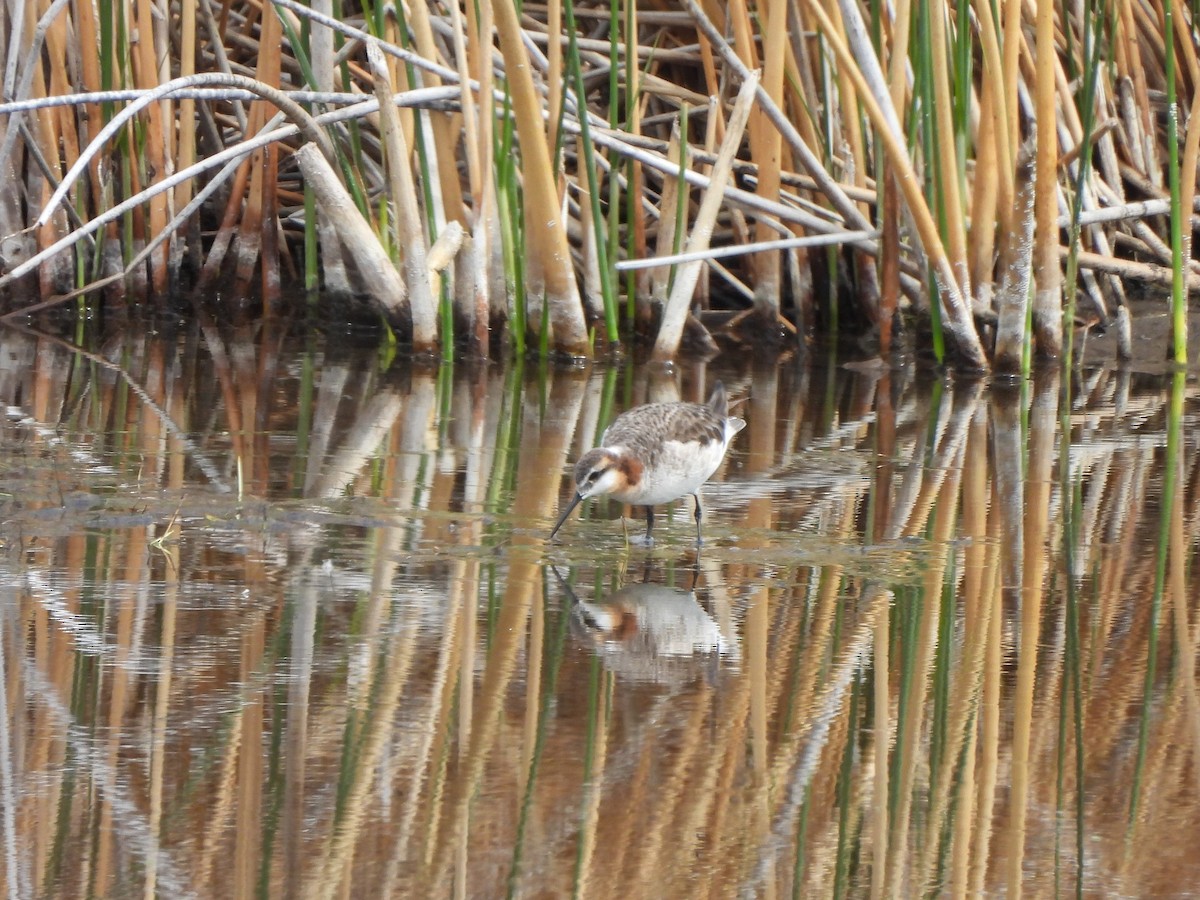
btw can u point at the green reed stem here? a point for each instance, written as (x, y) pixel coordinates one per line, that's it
(575, 72)
(276, 784)
(846, 845)
(304, 414)
(544, 331)
(445, 400)
(312, 259)
(299, 48)
(829, 127)
(509, 212)
(681, 196)
(508, 440)
(906, 640)
(926, 132)
(801, 857)
(1086, 105)
(615, 104)
(632, 200)
(1170, 487)
(964, 68)
(1071, 489)
(943, 670)
(555, 650)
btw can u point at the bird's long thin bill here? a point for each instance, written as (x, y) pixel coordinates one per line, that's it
(566, 512)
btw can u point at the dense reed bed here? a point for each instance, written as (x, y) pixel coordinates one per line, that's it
(274, 625)
(571, 177)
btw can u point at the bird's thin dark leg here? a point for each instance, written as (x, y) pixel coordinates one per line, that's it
(649, 525)
(699, 512)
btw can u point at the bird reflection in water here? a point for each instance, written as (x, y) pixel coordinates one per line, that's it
(653, 632)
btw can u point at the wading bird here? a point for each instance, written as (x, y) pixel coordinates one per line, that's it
(656, 453)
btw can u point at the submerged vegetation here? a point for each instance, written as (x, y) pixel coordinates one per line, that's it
(566, 177)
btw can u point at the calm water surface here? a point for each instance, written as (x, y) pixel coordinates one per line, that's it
(278, 623)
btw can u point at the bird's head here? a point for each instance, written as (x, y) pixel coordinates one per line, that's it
(599, 472)
(603, 471)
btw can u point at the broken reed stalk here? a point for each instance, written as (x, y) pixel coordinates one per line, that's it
(410, 235)
(353, 229)
(666, 345)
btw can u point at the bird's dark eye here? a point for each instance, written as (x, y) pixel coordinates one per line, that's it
(593, 476)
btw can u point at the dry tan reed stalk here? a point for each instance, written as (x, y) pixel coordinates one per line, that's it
(446, 132)
(759, 515)
(948, 169)
(1012, 289)
(592, 289)
(1185, 641)
(985, 202)
(42, 137)
(678, 150)
(243, 871)
(1187, 173)
(56, 49)
(226, 232)
(155, 147)
(470, 116)
(1047, 273)
(488, 272)
(548, 256)
(554, 69)
(593, 794)
(636, 100)
(768, 281)
(989, 726)
(864, 69)
(257, 227)
(889, 263)
(1038, 483)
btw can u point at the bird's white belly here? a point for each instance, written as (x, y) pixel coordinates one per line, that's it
(679, 469)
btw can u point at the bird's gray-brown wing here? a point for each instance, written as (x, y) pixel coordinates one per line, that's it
(646, 428)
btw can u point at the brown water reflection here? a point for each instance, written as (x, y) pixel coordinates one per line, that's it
(279, 624)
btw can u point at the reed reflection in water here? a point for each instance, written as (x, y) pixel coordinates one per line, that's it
(277, 623)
